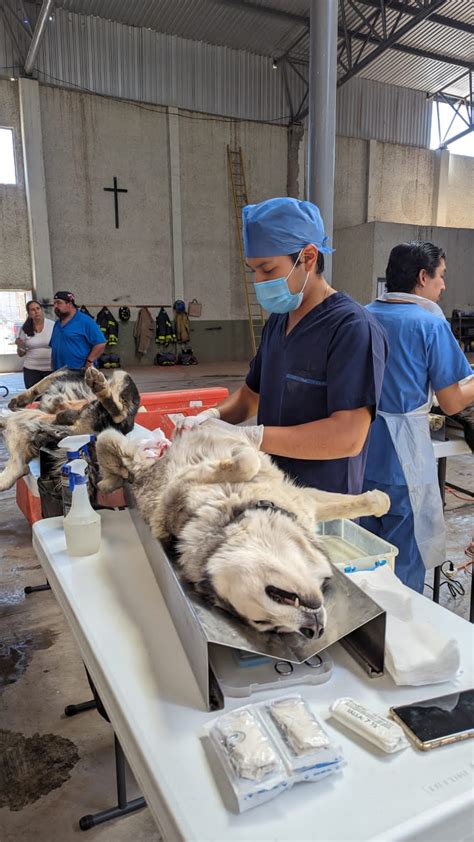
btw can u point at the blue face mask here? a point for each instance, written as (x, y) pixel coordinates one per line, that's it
(276, 297)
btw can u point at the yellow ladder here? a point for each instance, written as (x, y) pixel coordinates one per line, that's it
(239, 194)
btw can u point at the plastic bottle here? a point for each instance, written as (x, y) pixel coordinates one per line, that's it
(76, 447)
(82, 524)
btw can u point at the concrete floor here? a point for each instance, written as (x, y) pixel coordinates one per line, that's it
(41, 669)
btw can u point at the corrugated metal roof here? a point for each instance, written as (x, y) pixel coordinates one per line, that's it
(242, 27)
(372, 110)
(140, 64)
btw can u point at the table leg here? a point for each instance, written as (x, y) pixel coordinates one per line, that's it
(124, 807)
(34, 588)
(72, 710)
(442, 485)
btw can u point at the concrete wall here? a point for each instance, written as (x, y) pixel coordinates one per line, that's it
(353, 261)
(460, 204)
(211, 261)
(15, 265)
(401, 183)
(87, 141)
(368, 246)
(352, 169)
(459, 247)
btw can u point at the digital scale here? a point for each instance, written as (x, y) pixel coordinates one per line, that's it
(229, 657)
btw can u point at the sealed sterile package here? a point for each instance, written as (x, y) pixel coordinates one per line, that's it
(248, 756)
(307, 749)
(298, 726)
(377, 729)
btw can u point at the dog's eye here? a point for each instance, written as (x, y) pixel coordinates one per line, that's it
(261, 622)
(325, 584)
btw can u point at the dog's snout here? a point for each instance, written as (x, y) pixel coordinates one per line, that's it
(311, 630)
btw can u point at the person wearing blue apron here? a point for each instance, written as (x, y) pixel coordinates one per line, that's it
(424, 358)
(315, 381)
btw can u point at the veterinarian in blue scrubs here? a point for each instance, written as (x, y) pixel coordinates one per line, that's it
(424, 358)
(77, 340)
(315, 381)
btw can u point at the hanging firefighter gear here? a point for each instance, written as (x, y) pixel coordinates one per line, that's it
(124, 314)
(108, 325)
(142, 331)
(164, 329)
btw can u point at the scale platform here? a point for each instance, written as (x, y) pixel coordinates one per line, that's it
(353, 619)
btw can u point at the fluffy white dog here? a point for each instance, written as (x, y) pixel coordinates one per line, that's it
(245, 533)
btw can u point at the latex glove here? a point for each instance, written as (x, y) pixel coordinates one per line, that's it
(190, 422)
(252, 433)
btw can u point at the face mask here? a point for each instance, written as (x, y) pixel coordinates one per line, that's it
(275, 296)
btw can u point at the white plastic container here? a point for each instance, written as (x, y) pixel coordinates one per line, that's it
(351, 547)
(82, 523)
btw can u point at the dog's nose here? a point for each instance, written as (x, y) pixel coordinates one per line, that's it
(312, 629)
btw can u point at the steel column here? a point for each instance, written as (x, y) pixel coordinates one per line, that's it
(46, 9)
(322, 111)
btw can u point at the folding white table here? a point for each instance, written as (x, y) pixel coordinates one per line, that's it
(131, 650)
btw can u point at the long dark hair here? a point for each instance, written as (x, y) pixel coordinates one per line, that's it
(27, 326)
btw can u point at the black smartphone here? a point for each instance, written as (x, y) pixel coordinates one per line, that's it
(437, 722)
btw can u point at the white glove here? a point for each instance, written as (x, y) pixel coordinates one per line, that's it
(190, 422)
(252, 433)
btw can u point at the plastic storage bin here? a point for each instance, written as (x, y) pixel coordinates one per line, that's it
(162, 407)
(349, 546)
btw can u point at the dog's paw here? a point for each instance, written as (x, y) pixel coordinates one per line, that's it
(379, 503)
(110, 484)
(19, 401)
(95, 379)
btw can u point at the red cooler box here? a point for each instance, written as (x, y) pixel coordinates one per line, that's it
(162, 407)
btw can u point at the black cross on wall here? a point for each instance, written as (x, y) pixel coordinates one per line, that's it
(116, 190)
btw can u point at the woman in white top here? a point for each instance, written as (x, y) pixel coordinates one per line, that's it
(32, 343)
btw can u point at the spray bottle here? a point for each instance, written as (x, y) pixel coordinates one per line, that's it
(82, 524)
(76, 447)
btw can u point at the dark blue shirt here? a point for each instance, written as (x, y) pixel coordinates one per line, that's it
(332, 360)
(72, 342)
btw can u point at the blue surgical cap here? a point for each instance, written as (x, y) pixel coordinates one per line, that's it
(282, 226)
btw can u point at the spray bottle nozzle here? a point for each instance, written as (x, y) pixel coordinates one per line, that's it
(77, 473)
(76, 446)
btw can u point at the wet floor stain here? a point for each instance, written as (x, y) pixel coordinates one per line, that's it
(11, 597)
(16, 654)
(23, 567)
(33, 766)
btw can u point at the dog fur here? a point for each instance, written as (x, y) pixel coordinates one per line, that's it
(261, 562)
(70, 403)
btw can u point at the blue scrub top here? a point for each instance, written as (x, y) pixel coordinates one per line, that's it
(332, 360)
(72, 342)
(423, 350)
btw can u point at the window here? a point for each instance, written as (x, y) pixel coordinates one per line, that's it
(7, 157)
(12, 316)
(445, 123)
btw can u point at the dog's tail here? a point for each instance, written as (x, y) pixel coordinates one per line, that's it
(116, 456)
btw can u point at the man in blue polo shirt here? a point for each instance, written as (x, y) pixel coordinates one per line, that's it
(76, 341)
(316, 379)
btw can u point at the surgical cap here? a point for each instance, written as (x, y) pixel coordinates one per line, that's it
(282, 226)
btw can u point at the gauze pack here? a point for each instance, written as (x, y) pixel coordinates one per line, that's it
(375, 728)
